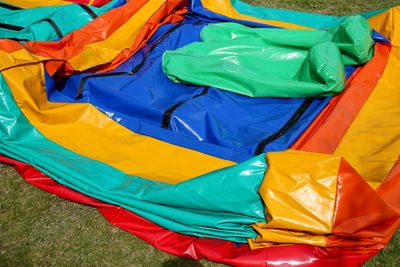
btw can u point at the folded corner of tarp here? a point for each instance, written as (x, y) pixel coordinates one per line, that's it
(309, 199)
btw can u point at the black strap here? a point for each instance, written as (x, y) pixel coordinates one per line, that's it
(295, 117)
(54, 26)
(84, 79)
(19, 28)
(89, 11)
(156, 43)
(11, 7)
(19, 39)
(166, 119)
(11, 27)
(134, 70)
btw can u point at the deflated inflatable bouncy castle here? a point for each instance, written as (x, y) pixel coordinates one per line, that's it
(210, 128)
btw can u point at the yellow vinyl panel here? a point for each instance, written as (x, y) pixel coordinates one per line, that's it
(36, 3)
(299, 193)
(388, 24)
(224, 7)
(87, 131)
(18, 57)
(124, 37)
(272, 237)
(372, 143)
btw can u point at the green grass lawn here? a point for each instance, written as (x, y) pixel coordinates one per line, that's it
(37, 228)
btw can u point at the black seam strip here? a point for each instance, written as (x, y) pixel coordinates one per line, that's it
(55, 27)
(19, 28)
(134, 70)
(11, 27)
(84, 79)
(11, 7)
(19, 39)
(89, 11)
(166, 119)
(295, 117)
(159, 40)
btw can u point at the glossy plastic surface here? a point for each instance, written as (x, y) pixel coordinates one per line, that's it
(147, 102)
(353, 227)
(20, 140)
(194, 247)
(36, 3)
(309, 199)
(48, 23)
(270, 62)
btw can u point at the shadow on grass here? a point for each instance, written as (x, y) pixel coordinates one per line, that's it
(181, 262)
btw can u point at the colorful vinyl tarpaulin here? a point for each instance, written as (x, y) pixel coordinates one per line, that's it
(47, 23)
(210, 129)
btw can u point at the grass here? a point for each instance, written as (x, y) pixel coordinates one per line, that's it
(40, 229)
(37, 228)
(329, 7)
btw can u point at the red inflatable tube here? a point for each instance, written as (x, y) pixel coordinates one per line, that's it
(194, 247)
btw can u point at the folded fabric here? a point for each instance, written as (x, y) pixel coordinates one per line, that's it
(47, 23)
(309, 199)
(353, 37)
(272, 62)
(198, 118)
(221, 204)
